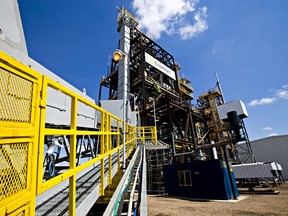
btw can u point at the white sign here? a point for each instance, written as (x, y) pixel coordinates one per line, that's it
(160, 66)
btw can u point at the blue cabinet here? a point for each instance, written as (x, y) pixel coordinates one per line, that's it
(200, 179)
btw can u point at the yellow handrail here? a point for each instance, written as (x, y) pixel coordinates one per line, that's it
(23, 133)
(147, 133)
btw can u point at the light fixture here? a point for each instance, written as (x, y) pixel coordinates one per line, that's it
(118, 54)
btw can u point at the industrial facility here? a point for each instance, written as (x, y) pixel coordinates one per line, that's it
(63, 153)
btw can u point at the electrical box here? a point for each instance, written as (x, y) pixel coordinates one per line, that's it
(236, 105)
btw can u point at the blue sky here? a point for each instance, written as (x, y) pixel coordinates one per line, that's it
(245, 42)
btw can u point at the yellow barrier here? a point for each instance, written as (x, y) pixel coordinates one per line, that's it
(147, 133)
(105, 134)
(23, 133)
(19, 121)
(20, 130)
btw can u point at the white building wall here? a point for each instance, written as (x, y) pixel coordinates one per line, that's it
(274, 148)
(11, 31)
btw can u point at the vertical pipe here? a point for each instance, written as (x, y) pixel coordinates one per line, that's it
(170, 121)
(173, 143)
(214, 151)
(154, 112)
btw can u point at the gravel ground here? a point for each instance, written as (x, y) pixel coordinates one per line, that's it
(248, 204)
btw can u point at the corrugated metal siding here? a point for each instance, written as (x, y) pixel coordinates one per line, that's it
(254, 170)
(273, 148)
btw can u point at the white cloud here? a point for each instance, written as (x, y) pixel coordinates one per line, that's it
(267, 128)
(273, 134)
(281, 93)
(170, 16)
(277, 94)
(200, 25)
(261, 101)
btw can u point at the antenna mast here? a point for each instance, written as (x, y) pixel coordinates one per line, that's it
(219, 86)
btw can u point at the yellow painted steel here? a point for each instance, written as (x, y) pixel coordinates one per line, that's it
(23, 101)
(72, 158)
(118, 144)
(20, 88)
(102, 152)
(147, 133)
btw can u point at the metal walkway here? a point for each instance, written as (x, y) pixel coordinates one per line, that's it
(55, 201)
(129, 196)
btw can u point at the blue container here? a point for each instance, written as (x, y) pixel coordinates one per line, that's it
(200, 179)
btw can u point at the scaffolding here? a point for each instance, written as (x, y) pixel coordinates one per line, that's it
(156, 158)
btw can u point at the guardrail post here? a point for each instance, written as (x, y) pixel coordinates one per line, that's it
(102, 151)
(155, 135)
(118, 144)
(72, 159)
(109, 147)
(143, 135)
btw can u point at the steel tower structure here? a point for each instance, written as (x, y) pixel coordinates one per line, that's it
(152, 82)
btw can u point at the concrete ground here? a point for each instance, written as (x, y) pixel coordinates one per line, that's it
(248, 204)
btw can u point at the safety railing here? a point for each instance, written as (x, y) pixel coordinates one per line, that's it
(108, 134)
(20, 89)
(28, 159)
(147, 133)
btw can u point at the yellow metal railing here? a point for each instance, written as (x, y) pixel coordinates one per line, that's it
(23, 98)
(147, 133)
(20, 88)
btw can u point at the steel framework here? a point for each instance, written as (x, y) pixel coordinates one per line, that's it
(150, 82)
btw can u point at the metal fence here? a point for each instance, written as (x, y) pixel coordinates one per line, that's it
(23, 139)
(147, 134)
(19, 122)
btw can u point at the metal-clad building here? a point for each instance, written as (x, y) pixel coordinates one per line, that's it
(274, 148)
